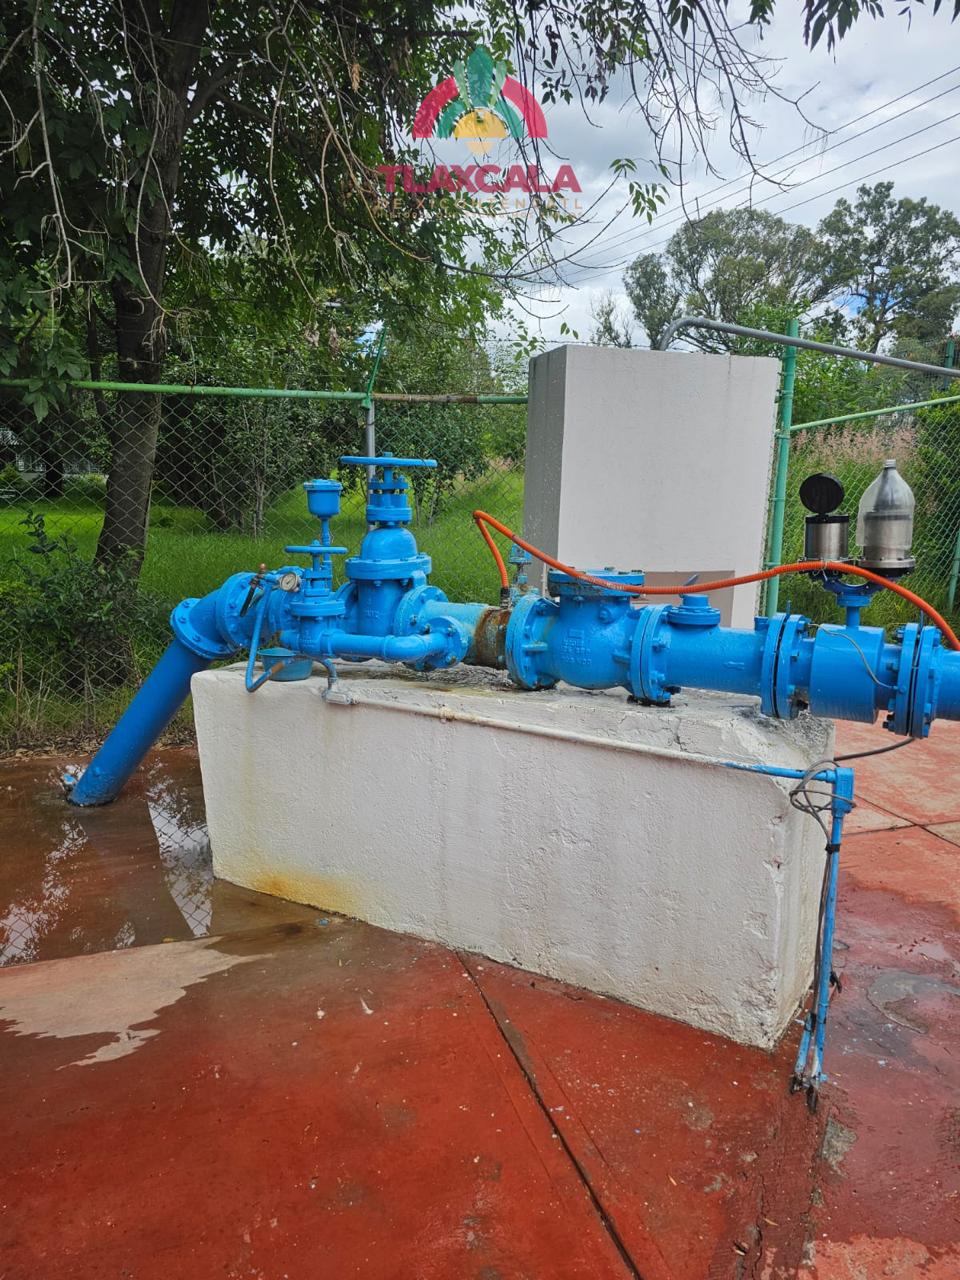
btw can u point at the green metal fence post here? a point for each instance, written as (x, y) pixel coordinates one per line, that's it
(954, 573)
(778, 507)
(369, 409)
(949, 359)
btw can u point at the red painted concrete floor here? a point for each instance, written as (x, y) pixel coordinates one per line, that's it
(197, 1081)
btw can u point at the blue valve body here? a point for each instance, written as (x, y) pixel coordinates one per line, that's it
(590, 636)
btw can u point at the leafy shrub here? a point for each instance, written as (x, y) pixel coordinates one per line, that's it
(90, 487)
(72, 621)
(11, 480)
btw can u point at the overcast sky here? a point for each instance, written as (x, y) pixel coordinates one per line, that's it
(880, 61)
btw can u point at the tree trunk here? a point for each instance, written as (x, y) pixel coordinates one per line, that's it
(133, 432)
(171, 48)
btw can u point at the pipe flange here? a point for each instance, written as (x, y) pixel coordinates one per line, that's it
(456, 646)
(407, 618)
(199, 642)
(918, 682)
(369, 569)
(927, 684)
(781, 651)
(650, 638)
(310, 607)
(788, 705)
(523, 642)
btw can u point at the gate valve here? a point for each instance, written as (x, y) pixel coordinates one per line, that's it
(386, 492)
(316, 598)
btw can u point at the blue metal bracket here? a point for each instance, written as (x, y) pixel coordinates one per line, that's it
(808, 1073)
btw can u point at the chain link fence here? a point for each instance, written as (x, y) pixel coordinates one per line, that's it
(227, 495)
(923, 435)
(76, 637)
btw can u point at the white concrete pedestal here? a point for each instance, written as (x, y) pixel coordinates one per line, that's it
(685, 888)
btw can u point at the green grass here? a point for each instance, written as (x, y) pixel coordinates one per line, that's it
(186, 557)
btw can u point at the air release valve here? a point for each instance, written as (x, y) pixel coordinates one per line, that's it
(885, 524)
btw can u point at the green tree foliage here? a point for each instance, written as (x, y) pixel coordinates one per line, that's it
(146, 140)
(72, 622)
(611, 327)
(725, 266)
(896, 261)
(148, 150)
(466, 440)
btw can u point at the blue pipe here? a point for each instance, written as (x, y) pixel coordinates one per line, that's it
(589, 635)
(341, 644)
(806, 1073)
(155, 704)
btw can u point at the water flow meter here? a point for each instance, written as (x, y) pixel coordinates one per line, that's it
(826, 534)
(885, 524)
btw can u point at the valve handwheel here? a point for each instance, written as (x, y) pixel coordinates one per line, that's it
(386, 460)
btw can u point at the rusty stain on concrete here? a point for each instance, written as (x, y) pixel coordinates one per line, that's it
(327, 893)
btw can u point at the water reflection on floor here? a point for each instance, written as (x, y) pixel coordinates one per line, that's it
(132, 873)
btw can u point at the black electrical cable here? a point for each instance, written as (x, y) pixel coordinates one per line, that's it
(603, 271)
(877, 751)
(815, 802)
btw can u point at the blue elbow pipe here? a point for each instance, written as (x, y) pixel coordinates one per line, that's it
(155, 704)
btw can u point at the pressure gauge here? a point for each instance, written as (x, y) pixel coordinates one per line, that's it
(289, 581)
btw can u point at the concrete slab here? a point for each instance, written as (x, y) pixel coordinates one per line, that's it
(889, 1184)
(917, 782)
(686, 888)
(709, 1123)
(867, 817)
(216, 1145)
(310, 1102)
(910, 862)
(947, 831)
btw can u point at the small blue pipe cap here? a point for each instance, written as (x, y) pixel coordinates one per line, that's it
(323, 497)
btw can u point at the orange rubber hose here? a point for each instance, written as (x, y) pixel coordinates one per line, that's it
(483, 519)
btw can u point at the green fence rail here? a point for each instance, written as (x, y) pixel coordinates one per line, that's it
(272, 393)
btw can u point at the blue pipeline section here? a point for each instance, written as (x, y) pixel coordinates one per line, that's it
(589, 636)
(159, 698)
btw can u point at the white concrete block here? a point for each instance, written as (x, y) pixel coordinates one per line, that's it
(654, 460)
(685, 888)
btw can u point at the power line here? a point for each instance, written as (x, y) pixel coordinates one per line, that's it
(817, 178)
(629, 236)
(632, 234)
(918, 155)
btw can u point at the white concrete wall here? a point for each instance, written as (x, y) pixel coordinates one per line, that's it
(654, 460)
(689, 890)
